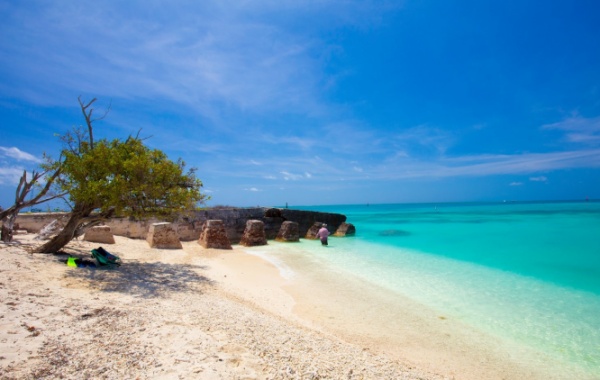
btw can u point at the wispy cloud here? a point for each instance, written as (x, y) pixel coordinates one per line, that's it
(579, 129)
(206, 55)
(10, 176)
(203, 56)
(18, 154)
(430, 138)
(13, 161)
(298, 142)
(295, 177)
(400, 167)
(486, 165)
(539, 179)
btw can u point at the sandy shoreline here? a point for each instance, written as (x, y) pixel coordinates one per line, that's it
(399, 328)
(165, 314)
(210, 314)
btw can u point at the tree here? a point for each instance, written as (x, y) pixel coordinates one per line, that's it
(105, 178)
(25, 188)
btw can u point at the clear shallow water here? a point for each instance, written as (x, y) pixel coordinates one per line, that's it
(527, 272)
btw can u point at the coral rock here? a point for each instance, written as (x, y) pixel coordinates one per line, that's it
(213, 235)
(254, 234)
(163, 235)
(345, 229)
(289, 232)
(99, 234)
(312, 231)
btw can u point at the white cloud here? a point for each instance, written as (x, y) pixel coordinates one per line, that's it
(538, 179)
(206, 55)
(578, 129)
(301, 142)
(18, 154)
(516, 184)
(423, 135)
(290, 176)
(10, 176)
(400, 166)
(485, 165)
(10, 173)
(254, 189)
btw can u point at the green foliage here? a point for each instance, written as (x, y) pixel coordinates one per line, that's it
(127, 177)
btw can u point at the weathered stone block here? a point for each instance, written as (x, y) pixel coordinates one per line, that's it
(345, 229)
(254, 234)
(164, 236)
(312, 231)
(99, 234)
(306, 219)
(289, 232)
(213, 235)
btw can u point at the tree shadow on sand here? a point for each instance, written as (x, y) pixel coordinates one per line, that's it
(146, 280)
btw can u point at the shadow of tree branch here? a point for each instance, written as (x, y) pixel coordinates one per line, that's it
(147, 280)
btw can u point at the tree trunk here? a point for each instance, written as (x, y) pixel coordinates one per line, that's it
(78, 215)
(6, 233)
(7, 229)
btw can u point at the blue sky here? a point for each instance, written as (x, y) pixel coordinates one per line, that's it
(318, 102)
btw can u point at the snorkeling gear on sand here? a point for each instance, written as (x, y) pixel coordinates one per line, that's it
(104, 258)
(75, 262)
(71, 262)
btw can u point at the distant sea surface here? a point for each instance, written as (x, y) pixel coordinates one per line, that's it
(527, 272)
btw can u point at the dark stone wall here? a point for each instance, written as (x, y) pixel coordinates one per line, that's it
(306, 219)
(235, 220)
(189, 227)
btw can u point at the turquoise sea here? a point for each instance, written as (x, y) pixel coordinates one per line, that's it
(526, 272)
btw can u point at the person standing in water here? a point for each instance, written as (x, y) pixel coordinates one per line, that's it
(323, 233)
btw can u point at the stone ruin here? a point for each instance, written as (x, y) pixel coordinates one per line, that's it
(164, 236)
(312, 231)
(345, 229)
(289, 232)
(191, 226)
(254, 234)
(213, 235)
(99, 234)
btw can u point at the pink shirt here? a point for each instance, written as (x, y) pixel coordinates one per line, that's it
(323, 233)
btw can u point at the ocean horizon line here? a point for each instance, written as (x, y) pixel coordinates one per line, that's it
(497, 202)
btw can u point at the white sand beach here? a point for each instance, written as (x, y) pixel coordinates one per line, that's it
(217, 314)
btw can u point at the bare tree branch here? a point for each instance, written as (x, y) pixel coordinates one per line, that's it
(88, 115)
(88, 118)
(23, 189)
